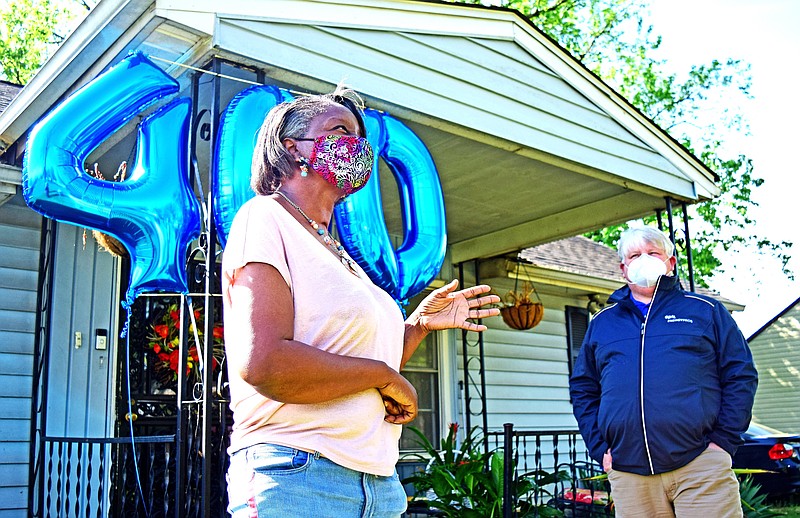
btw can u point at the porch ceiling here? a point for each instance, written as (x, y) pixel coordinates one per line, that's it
(497, 201)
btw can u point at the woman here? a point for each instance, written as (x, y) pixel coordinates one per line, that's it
(314, 347)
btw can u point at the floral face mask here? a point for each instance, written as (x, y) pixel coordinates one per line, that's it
(343, 160)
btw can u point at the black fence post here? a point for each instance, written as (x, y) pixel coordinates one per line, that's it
(508, 470)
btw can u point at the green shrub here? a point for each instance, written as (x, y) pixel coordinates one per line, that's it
(466, 482)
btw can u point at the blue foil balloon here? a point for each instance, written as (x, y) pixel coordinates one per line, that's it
(154, 213)
(359, 218)
(406, 271)
(422, 252)
(159, 216)
(360, 221)
(240, 124)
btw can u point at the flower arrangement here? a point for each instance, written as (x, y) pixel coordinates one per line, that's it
(164, 341)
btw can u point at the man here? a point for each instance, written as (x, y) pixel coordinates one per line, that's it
(663, 389)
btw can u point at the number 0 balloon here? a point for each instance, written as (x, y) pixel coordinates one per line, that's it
(408, 270)
(359, 218)
(240, 124)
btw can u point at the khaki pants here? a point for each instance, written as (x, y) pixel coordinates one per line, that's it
(705, 488)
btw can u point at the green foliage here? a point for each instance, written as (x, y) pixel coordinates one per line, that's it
(611, 39)
(753, 502)
(29, 31)
(466, 482)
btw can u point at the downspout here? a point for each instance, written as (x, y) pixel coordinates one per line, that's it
(41, 368)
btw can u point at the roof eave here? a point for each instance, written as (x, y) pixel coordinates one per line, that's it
(494, 23)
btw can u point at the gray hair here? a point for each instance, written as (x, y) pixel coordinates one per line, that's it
(271, 162)
(634, 237)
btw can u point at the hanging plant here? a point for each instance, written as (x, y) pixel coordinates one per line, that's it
(520, 312)
(104, 241)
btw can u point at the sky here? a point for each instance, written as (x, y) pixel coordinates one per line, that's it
(765, 34)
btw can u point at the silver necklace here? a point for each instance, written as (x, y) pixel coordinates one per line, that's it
(328, 239)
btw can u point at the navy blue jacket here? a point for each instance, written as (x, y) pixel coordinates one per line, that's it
(657, 390)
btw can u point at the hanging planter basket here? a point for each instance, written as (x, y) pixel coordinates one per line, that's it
(523, 316)
(105, 242)
(520, 312)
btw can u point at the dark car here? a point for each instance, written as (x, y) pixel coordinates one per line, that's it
(768, 449)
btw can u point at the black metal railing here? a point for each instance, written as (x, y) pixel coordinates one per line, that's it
(98, 477)
(531, 453)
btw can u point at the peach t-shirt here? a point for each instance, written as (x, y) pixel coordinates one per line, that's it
(334, 311)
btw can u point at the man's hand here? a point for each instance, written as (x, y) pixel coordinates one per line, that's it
(607, 461)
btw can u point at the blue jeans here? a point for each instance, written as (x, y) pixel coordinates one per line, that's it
(268, 480)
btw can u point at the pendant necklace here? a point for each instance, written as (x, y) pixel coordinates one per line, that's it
(328, 239)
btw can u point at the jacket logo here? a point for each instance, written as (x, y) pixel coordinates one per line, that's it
(672, 318)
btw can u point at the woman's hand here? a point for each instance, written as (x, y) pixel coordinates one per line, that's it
(446, 308)
(400, 399)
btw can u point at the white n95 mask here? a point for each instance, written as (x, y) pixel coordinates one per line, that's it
(645, 270)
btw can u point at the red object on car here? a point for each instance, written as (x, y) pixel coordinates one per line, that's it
(776, 453)
(587, 496)
(781, 451)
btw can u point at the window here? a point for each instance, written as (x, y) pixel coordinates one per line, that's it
(422, 370)
(577, 324)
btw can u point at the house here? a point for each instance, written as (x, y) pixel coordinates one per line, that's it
(774, 348)
(530, 147)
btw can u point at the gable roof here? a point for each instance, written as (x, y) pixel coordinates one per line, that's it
(530, 146)
(577, 254)
(774, 319)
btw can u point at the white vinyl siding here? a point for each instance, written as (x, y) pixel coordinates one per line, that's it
(19, 262)
(775, 351)
(527, 372)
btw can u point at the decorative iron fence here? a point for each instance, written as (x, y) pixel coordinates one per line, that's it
(101, 477)
(526, 453)
(85, 477)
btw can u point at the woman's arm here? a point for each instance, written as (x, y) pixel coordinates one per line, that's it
(266, 356)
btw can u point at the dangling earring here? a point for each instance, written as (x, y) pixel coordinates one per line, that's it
(303, 166)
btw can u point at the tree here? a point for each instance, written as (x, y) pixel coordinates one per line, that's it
(611, 39)
(32, 29)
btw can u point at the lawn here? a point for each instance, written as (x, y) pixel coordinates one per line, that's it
(789, 508)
